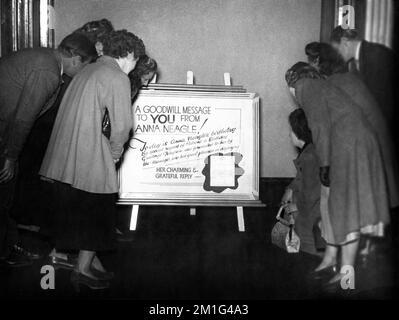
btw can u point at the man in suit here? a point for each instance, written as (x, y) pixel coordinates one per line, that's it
(29, 83)
(374, 62)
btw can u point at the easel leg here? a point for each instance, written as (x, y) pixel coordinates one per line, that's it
(193, 212)
(240, 218)
(133, 217)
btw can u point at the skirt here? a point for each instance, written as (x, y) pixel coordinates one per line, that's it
(84, 220)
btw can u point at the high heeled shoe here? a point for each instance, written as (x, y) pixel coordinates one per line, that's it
(78, 279)
(327, 272)
(107, 275)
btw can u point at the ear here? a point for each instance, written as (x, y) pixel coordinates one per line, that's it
(99, 48)
(76, 60)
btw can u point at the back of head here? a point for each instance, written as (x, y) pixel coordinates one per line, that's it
(144, 66)
(312, 50)
(299, 125)
(78, 45)
(301, 70)
(328, 60)
(338, 33)
(118, 44)
(96, 30)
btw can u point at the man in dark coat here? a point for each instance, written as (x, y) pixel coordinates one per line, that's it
(29, 84)
(374, 62)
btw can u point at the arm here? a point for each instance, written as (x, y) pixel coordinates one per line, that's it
(316, 110)
(38, 88)
(120, 115)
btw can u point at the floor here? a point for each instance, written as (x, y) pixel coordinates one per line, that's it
(177, 256)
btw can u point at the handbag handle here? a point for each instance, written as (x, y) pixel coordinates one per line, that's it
(279, 218)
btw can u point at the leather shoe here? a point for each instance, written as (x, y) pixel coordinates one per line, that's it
(30, 255)
(324, 273)
(68, 263)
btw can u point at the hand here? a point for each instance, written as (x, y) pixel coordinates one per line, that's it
(8, 171)
(325, 176)
(291, 207)
(287, 197)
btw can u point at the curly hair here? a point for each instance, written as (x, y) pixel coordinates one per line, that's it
(299, 125)
(301, 70)
(118, 44)
(144, 66)
(329, 60)
(96, 30)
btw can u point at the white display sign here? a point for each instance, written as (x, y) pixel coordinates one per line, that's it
(192, 146)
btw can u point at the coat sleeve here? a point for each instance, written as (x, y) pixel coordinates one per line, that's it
(316, 110)
(39, 86)
(120, 115)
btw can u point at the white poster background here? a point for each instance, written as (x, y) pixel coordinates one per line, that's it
(168, 165)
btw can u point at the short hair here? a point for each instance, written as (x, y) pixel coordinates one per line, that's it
(312, 50)
(299, 125)
(338, 33)
(96, 30)
(299, 71)
(78, 45)
(118, 44)
(329, 59)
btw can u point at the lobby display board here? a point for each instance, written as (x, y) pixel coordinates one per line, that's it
(193, 146)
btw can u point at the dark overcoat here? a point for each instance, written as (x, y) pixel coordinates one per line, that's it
(29, 82)
(377, 68)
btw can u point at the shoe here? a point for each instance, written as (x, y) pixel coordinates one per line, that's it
(102, 275)
(124, 237)
(78, 279)
(26, 253)
(16, 259)
(327, 272)
(68, 263)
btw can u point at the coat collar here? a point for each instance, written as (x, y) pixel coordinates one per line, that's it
(108, 60)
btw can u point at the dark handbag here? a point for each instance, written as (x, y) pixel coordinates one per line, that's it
(106, 125)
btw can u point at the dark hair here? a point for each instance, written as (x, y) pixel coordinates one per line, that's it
(96, 30)
(118, 44)
(144, 66)
(312, 50)
(329, 59)
(77, 44)
(299, 125)
(301, 70)
(338, 33)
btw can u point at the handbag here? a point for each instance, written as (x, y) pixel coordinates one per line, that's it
(283, 234)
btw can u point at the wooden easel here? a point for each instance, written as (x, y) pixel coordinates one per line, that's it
(136, 207)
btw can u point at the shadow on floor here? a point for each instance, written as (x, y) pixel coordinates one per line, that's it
(177, 256)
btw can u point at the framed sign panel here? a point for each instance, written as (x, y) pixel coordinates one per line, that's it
(193, 148)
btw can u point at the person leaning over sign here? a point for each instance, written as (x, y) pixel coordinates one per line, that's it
(351, 166)
(142, 74)
(81, 159)
(30, 80)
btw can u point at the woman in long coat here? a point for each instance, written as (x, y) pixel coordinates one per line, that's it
(350, 160)
(81, 159)
(329, 63)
